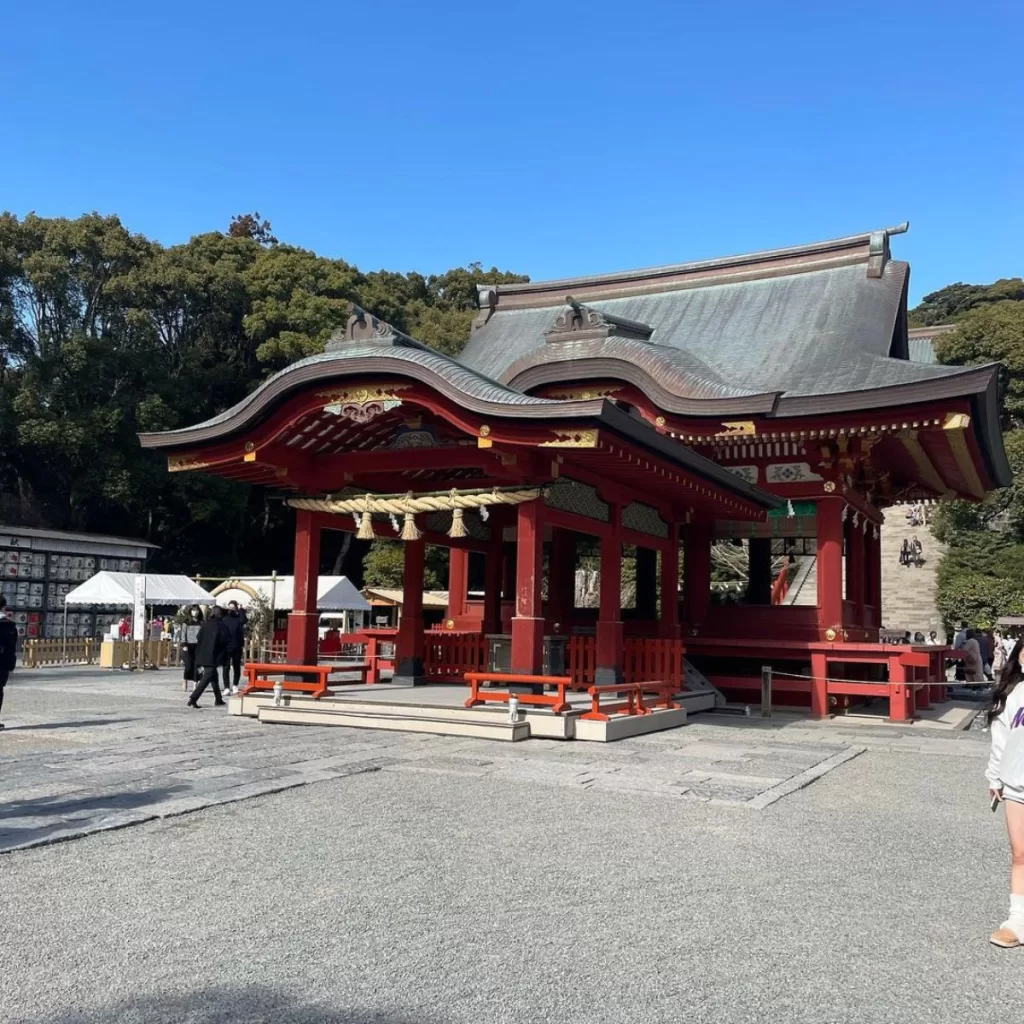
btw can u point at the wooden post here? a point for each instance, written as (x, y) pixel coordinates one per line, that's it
(302, 622)
(561, 579)
(669, 617)
(766, 691)
(458, 584)
(855, 571)
(830, 563)
(647, 584)
(528, 623)
(410, 642)
(819, 685)
(494, 571)
(697, 539)
(759, 570)
(609, 619)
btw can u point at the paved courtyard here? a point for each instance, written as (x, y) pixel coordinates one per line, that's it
(727, 871)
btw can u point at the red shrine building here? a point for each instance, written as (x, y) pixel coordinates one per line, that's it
(766, 401)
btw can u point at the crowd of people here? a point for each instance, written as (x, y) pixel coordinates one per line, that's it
(213, 645)
(911, 552)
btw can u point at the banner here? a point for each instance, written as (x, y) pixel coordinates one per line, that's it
(139, 615)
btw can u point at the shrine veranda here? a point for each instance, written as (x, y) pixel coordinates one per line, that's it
(768, 398)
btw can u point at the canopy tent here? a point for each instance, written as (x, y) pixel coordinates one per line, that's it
(334, 593)
(118, 588)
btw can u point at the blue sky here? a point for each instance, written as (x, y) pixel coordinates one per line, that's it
(548, 138)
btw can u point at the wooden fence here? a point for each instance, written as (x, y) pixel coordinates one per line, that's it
(87, 651)
(449, 656)
(644, 660)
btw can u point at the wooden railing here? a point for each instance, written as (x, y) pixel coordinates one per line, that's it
(632, 702)
(780, 588)
(449, 655)
(87, 650)
(60, 652)
(644, 658)
(556, 701)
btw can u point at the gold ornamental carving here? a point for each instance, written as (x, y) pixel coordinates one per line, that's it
(737, 428)
(572, 439)
(182, 463)
(584, 394)
(363, 395)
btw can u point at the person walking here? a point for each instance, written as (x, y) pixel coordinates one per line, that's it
(8, 649)
(974, 667)
(1005, 775)
(190, 637)
(916, 552)
(210, 646)
(234, 628)
(905, 553)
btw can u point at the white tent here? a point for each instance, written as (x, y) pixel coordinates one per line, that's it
(334, 593)
(118, 588)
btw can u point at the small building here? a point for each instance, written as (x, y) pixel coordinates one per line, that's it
(386, 606)
(40, 567)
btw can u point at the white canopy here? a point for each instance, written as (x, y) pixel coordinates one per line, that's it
(334, 593)
(118, 588)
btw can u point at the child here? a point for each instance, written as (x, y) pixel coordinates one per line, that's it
(1006, 783)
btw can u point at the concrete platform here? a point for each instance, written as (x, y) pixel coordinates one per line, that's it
(476, 726)
(441, 708)
(621, 727)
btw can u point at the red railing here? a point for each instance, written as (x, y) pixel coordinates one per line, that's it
(644, 659)
(633, 704)
(780, 588)
(556, 701)
(449, 655)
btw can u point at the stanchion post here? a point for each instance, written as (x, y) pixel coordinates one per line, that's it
(766, 691)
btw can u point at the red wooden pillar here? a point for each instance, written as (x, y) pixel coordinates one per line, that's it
(646, 585)
(458, 585)
(696, 573)
(873, 571)
(494, 571)
(609, 618)
(855, 571)
(901, 699)
(819, 685)
(668, 625)
(562, 579)
(830, 562)
(303, 620)
(528, 622)
(410, 643)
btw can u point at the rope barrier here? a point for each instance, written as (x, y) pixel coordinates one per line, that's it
(409, 505)
(831, 679)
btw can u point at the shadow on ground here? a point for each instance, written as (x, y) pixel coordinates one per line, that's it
(230, 1005)
(81, 724)
(64, 807)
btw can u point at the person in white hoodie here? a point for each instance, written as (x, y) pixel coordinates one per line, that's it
(1005, 776)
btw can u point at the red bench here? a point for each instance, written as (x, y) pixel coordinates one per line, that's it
(258, 677)
(633, 704)
(556, 701)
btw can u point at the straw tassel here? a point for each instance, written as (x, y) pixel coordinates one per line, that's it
(365, 531)
(458, 527)
(409, 530)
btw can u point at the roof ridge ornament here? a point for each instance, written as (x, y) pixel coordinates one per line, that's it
(363, 328)
(580, 322)
(878, 248)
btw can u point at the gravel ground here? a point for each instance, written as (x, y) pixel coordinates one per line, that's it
(414, 898)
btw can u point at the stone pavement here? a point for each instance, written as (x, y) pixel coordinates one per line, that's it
(86, 750)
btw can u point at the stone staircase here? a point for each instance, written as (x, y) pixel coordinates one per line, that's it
(804, 588)
(908, 594)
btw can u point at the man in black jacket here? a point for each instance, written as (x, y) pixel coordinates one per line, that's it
(8, 649)
(234, 628)
(210, 649)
